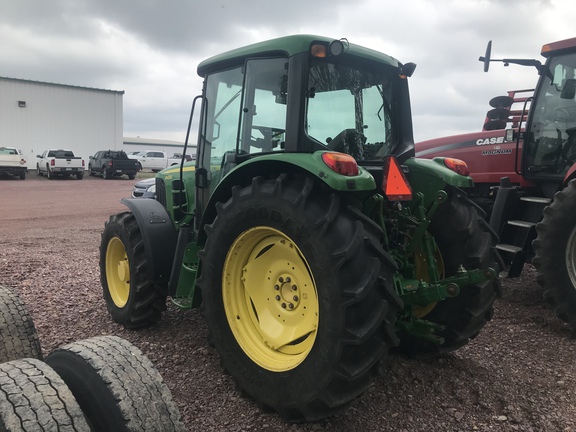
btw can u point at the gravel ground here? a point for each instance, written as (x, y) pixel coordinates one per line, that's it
(519, 374)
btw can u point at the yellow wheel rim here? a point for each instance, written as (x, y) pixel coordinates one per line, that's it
(117, 272)
(270, 299)
(421, 267)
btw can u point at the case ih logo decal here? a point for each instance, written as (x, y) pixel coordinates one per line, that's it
(488, 141)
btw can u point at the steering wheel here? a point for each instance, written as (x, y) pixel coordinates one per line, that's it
(565, 113)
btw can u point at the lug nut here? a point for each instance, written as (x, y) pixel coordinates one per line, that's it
(295, 298)
(278, 297)
(294, 287)
(291, 306)
(281, 280)
(288, 279)
(276, 287)
(284, 305)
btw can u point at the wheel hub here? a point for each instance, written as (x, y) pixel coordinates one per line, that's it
(287, 293)
(123, 271)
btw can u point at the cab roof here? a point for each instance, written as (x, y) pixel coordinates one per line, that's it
(284, 46)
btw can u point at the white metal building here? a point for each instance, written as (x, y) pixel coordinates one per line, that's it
(36, 116)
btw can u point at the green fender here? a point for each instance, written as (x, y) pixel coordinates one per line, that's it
(428, 176)
(310, 163)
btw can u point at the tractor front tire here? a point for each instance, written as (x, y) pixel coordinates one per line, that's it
(298, 296)
(463, 239)
(116, 386)
(18, 336)
(555, 254)
(131, 298)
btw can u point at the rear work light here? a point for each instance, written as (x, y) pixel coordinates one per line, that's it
(457, 165)
(394, 183)
(341, 163)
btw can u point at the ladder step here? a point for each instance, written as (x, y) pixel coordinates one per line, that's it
(521, 223)
(539, 200)
(508, 248)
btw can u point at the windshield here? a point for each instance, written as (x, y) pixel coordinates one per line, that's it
(551, 143)
(348, 109)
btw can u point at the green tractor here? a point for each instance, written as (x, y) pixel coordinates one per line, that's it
(306, 229)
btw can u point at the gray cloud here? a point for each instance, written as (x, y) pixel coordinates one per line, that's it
(151, 48)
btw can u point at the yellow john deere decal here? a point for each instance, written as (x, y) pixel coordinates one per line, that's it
(169, 173)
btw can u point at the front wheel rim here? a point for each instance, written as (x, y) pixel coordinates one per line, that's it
(571, 257)
(270, 298)
(117, 272)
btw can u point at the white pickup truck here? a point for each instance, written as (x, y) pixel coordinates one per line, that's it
(60, 162)
(155, 160)
(12, 162)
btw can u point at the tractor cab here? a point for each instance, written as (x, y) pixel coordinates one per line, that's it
(550, 141)
(301, 94)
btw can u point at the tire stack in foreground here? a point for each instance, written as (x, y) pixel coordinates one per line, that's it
(99, 384)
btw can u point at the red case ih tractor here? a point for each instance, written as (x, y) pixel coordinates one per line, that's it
(525, 175)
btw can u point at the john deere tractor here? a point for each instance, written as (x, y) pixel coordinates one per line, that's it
(310, 234)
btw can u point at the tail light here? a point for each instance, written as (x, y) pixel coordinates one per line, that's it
(109, 163)
(83, 163)
(52, 162)
(394, 183)
(457, 165)
(341, 163)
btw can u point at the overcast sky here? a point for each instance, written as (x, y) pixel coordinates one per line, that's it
(150, 48)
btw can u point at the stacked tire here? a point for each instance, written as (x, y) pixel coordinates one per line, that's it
(99, 384)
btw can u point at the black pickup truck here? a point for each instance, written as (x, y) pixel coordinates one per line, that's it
(112, 163)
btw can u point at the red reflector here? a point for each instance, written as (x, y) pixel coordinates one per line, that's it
(394, 183)
(457, 165)
(341, 163)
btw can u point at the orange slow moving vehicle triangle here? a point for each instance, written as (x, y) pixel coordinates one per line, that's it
(395, 185)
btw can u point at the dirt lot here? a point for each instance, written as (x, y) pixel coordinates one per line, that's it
(518, 375)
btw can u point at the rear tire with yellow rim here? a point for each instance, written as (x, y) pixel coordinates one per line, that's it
(298, 296)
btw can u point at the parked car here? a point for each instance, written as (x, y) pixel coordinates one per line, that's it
(155, 160)
(112, 163)
(12, 162)
(60, 162)
(145, 188)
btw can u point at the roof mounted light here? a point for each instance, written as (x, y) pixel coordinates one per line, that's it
(318, 50)
(338, 47)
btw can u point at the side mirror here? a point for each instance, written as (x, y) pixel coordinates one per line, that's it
(486, 58)
(408, 69)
